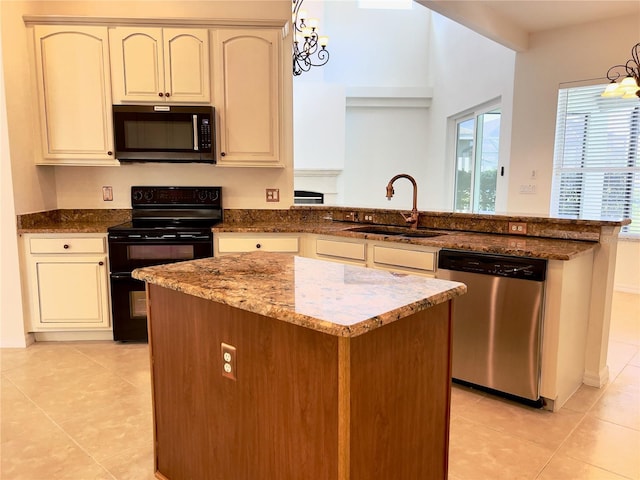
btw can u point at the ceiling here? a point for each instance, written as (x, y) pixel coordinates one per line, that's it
(510, 22)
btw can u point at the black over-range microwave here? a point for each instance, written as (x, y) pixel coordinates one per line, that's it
(164, 133)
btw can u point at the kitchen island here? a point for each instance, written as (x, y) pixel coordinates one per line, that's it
(275, 366)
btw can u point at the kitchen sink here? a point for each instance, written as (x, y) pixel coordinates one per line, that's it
(391, 231)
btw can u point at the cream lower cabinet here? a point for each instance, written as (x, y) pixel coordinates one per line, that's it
(159, 65)
(403, 258)
(74, 92)
(337, 249)
(67, 282)
(248, 96)
(226, 243)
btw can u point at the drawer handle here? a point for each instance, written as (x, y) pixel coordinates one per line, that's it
(100, 263)
(160, 94)
(258, 245)
(167, 94)
(65, 246)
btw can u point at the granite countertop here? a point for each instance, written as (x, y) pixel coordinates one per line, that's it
(536, 247)
(72, 221)
(329, 297)
(570, 238)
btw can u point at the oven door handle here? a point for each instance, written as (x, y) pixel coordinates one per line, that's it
(122, 276)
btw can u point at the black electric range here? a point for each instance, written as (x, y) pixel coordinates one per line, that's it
(169, 224)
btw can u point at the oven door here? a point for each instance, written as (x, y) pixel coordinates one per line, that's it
(126, 255)
(129, 309)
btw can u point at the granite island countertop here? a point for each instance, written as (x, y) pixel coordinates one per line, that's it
(333, 298)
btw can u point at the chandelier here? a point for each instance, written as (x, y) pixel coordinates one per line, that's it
(629, 87)
(309, 49)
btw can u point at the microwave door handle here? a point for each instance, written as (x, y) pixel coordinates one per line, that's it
(195, 132)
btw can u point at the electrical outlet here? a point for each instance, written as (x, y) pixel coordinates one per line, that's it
(518, 228)
(273, 194)
(228, 361)
(107, 194)
(519, 244)
(368, 217)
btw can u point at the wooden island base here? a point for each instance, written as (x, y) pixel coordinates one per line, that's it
(305, 404)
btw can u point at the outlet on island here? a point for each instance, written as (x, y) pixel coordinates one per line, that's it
(228, 360)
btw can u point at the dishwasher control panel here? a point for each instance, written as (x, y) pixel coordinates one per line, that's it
(497, 265)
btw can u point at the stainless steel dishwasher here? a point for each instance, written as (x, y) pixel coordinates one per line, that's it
(497, 325)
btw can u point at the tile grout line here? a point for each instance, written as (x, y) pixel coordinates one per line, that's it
(59, 427)
(584, 416)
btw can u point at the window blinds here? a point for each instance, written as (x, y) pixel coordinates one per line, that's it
(596, 167)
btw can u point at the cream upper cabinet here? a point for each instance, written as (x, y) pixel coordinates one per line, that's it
(248, 95)
(74, 91)
(160, 65)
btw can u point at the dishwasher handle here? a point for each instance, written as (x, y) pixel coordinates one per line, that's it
(510, 266)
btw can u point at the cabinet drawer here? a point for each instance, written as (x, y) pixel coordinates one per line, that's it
(404, 258)
(268, 244)
(353, 251)
(67, 245)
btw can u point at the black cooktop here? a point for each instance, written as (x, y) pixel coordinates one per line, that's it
(168, 212)
(132, 230)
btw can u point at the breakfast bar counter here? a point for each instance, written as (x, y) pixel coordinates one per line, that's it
(274, 366)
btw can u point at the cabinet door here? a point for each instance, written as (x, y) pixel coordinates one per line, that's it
(186, 65)
(74, 90)
(70, 292)
(236, 244)
(137, 64)
(247, 96)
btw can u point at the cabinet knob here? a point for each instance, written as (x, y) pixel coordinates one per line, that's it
(222, 154)
(160, 94)
(65, 246)
(258, 245)
(167, 94)
(109, 152)
(100, 263)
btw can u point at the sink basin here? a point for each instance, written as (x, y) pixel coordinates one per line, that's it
(396, 231)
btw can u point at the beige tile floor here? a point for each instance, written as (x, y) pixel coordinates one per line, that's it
(82, 411)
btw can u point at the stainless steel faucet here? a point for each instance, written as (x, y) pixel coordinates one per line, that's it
(412, 220)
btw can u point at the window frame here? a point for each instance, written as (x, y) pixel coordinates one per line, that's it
(474, 113)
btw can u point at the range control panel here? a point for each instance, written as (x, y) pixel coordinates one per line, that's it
(176, 196)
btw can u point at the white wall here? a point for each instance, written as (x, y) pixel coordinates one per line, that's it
(409, 59)
(376, 54)
(563, 55)
(627, 278)
(12, 332)
(570, 54)
(468, 70)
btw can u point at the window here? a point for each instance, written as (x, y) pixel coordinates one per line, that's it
(477, 147)
(596, 167)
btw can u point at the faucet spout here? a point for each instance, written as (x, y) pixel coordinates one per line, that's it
(412, 219)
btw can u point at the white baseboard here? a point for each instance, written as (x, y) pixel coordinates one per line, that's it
(597, 380)
(627, 288)
(73, 336)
